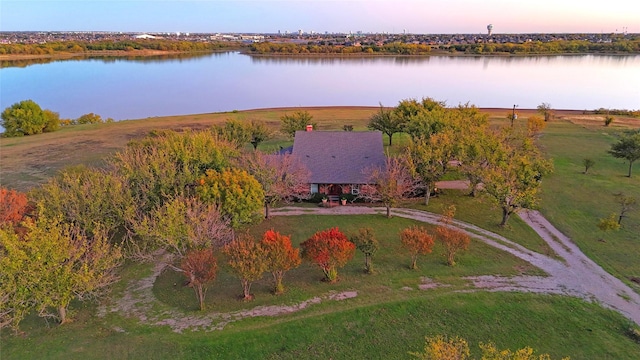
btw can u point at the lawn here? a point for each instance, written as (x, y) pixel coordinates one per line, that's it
(347, 330)
(574, 201)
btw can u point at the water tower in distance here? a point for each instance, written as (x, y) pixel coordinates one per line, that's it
(489, 29)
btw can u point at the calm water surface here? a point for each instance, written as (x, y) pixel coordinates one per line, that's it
(132, 89)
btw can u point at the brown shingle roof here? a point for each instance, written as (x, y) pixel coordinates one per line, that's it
(338, 157)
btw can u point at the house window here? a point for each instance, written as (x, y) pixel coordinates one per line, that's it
(314, 188)
(355, 189)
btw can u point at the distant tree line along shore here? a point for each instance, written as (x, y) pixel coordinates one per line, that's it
(51, 48)
(400, 48)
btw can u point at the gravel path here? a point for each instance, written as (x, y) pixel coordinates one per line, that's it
(574, 274)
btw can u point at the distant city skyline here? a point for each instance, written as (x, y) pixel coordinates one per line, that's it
(320, 16)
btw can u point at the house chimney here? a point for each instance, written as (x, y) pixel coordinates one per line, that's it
(309, 127)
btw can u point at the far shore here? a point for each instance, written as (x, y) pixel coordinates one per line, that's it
(106, 53)
(144, 53)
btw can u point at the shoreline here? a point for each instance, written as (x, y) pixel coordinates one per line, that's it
(148, 53)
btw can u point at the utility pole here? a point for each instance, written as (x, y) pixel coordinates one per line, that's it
(513, 114)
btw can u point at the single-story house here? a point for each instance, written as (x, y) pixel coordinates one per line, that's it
(337, 159)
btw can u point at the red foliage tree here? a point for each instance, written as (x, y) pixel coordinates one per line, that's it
(280, 256)
(418, 241)
(13, 206)
(200, 267)
(330, 250)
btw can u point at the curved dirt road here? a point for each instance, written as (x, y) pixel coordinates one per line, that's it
(574, 274)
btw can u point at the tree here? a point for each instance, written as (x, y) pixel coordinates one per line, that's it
(200, 268)
(609, 223)
(283, 177)
(234, 132)
(181, 225)
(246, 259)
(89, 118)
(52, 121)
(441, 348)
(418, 241)
(13, 206)
(280, 256)
(237, 194)
(329, 249)
(258, 133)
(366, 242)
(54, 263)
(513, 177)
(428, 159)
(87, 197)
(386, 121)
(627, 204)
(453, 239)
(167, 164)
(588, 164)
(545, 110)
(535, 125)
(627, 147)
(392, 183)
(23, 118)
(298, 121)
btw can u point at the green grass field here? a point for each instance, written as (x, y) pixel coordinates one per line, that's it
(385, 319)
(574, 201)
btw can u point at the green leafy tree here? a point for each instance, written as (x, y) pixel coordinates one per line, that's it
(514, 176)
(89, 198)
(234, 132)
(298, 121)
(53, 264)
(258, 133)
(23, 118)
(89, 118)
(246, 259)
(627, 147)
(387, 122)
(588, 164)
(168, 164)
(237, 193)
(52, 121)
(366, 242)
(546, 110)
(429, 159)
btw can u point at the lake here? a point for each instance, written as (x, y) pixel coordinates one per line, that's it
(139, 88)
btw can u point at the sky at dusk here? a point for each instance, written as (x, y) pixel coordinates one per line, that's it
(376, 16)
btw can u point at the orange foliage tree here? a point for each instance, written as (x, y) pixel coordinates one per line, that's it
(418, 241)
(200, 267)
(454, 240)
(329, 249)
(280, 256)
(246, 259)
(13, 206)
